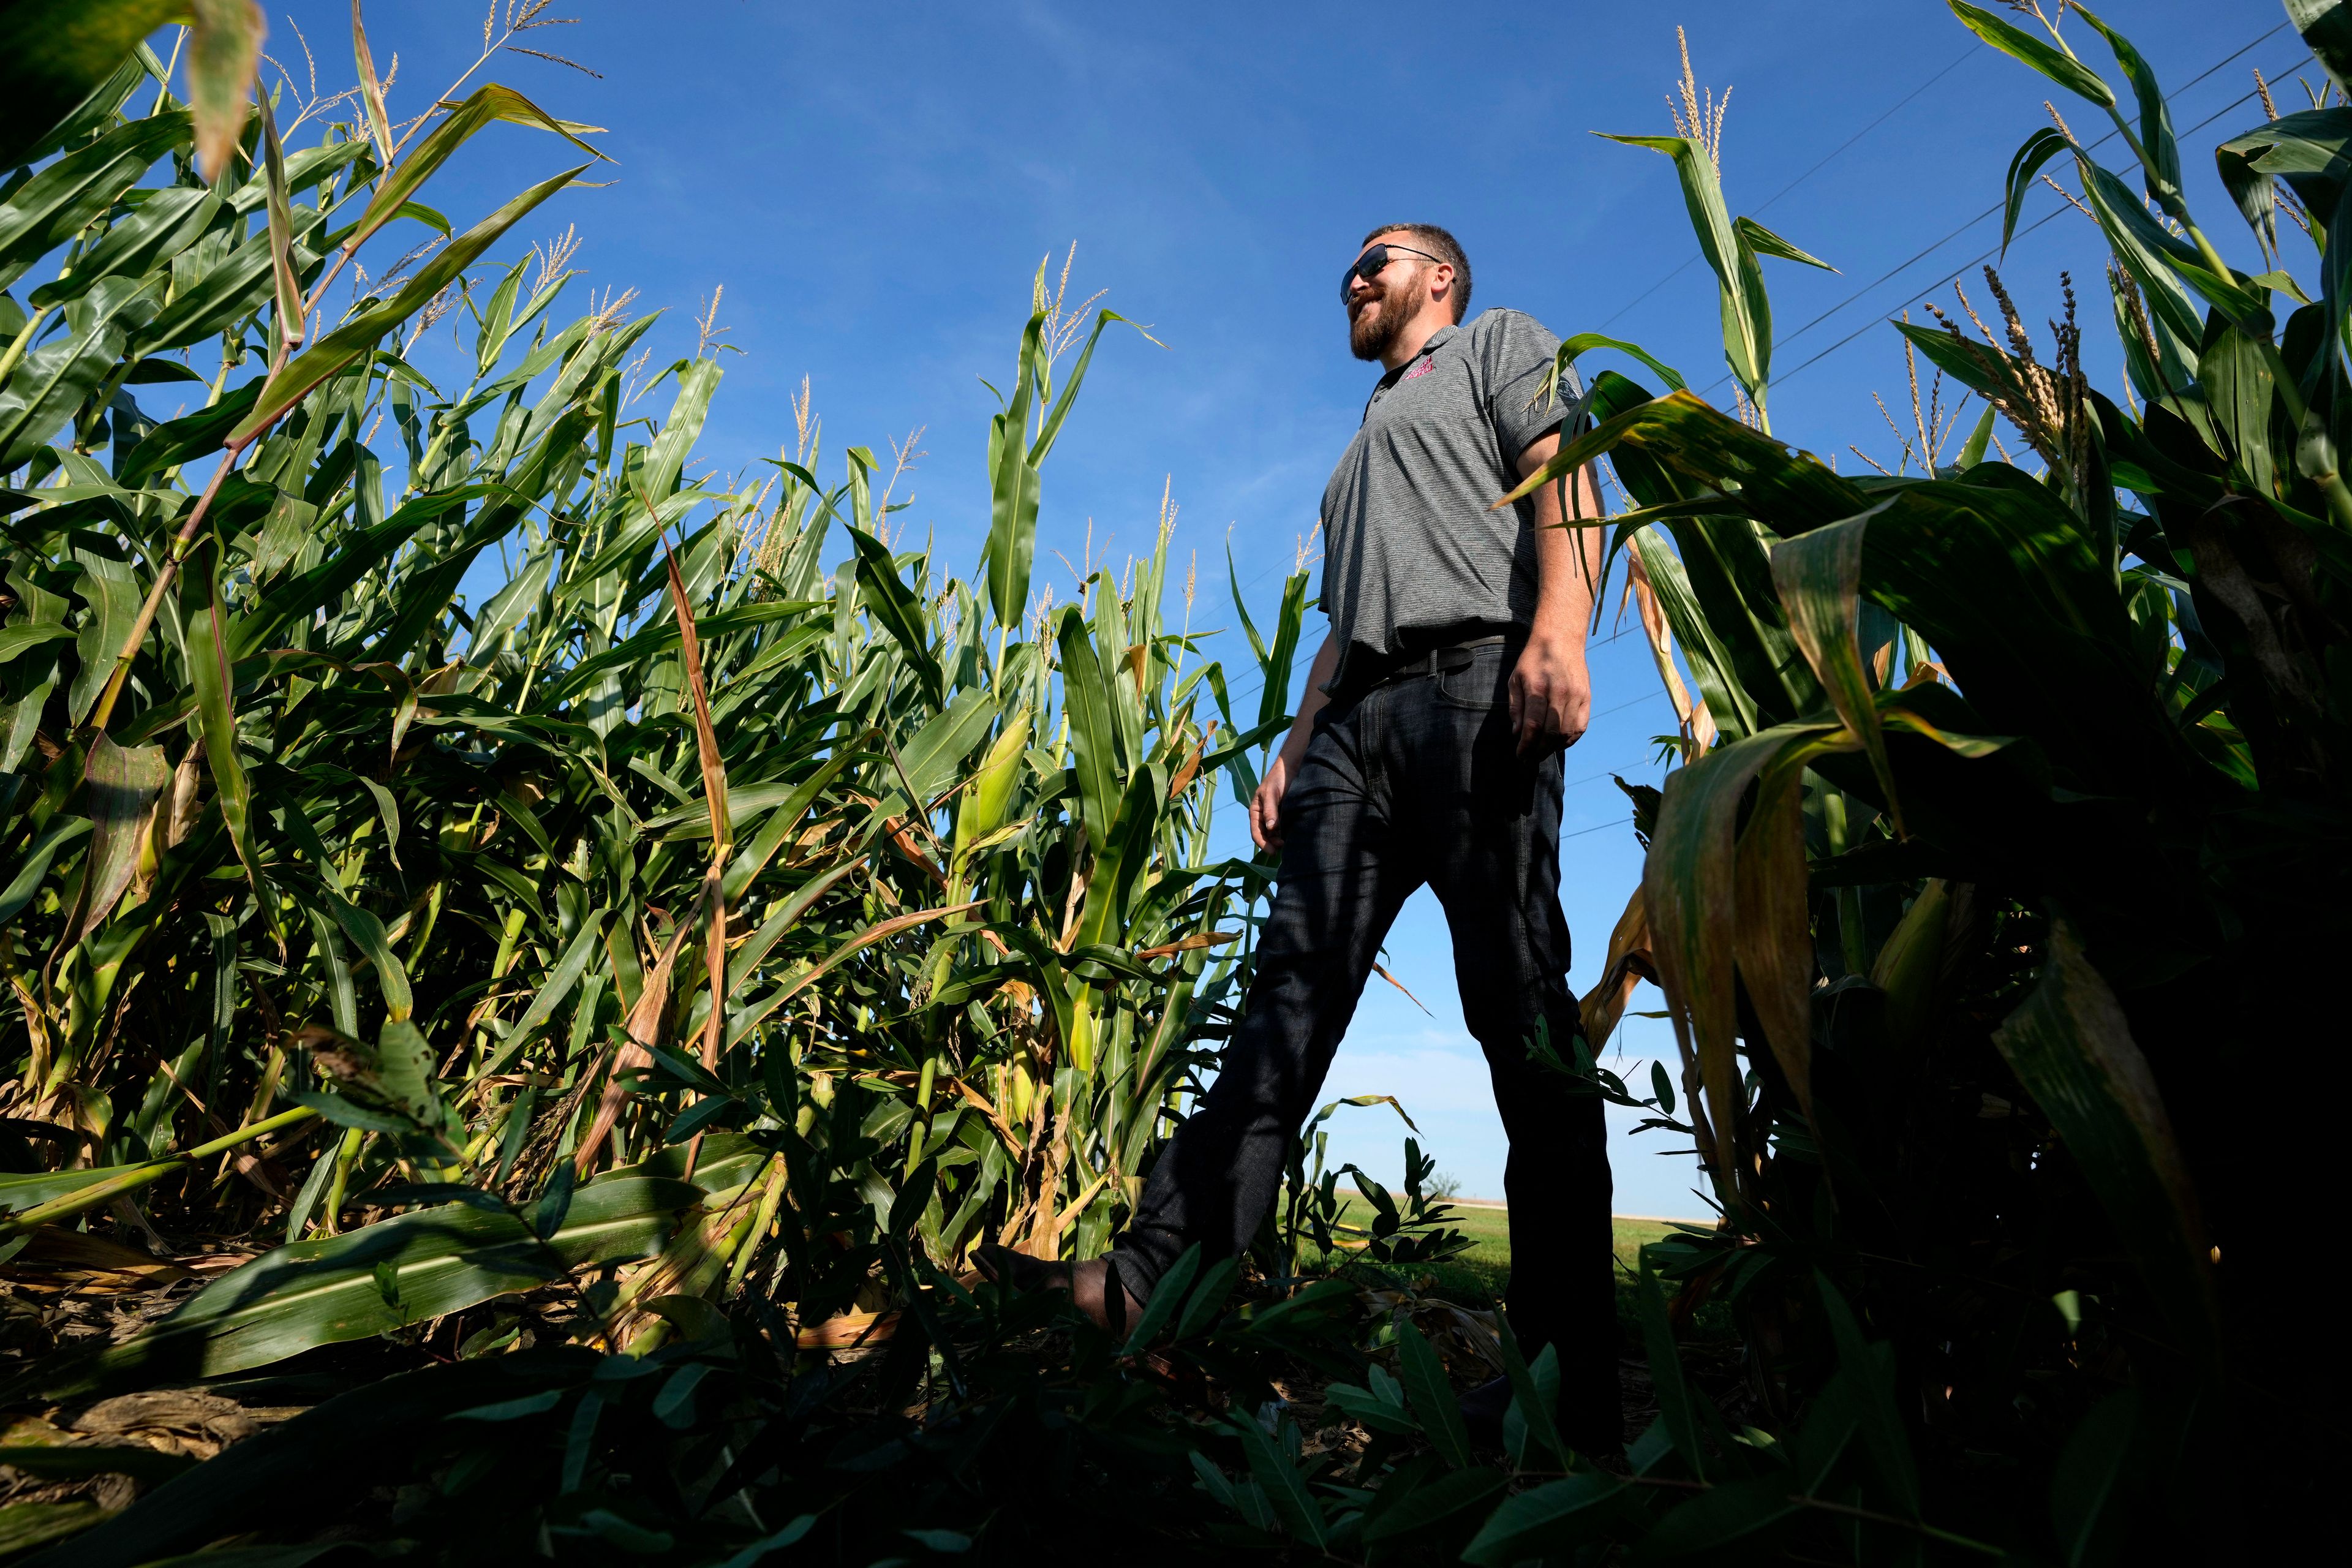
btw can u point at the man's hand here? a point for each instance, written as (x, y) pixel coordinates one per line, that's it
(1265, 806)
(1552, 696)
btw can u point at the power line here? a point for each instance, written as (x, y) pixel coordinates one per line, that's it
(1963, 57)
(1928, 250)
(1980, 256)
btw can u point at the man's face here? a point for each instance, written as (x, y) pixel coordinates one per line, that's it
(1379, 311)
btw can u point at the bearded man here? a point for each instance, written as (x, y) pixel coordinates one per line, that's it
(1426, 751)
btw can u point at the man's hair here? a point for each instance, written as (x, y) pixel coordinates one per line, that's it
(1445, 247)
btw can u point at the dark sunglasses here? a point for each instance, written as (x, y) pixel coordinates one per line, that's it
(1368, 266)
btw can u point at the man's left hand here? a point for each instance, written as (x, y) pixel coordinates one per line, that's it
(1551, 695)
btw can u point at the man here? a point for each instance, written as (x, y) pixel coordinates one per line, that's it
(1426, 750)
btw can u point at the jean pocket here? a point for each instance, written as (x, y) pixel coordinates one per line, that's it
(1477, 684)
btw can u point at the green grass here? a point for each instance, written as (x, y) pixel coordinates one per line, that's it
(1476, 1278)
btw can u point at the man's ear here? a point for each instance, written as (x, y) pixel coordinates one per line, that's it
(1441, 284)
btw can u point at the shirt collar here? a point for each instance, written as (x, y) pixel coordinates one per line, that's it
(1436, 340)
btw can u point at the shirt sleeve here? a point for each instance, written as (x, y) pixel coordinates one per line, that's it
(1518, 358)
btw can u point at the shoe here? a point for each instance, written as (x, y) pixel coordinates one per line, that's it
(1086, 1284)
(1484, 1407)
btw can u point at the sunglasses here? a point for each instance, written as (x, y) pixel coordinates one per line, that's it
(1368, 266)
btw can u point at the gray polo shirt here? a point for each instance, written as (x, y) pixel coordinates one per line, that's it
(1408, 543)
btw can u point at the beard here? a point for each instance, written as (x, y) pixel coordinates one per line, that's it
(1371, 334)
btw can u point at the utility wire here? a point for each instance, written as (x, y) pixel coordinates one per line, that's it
(1928, 250)
(1980, 257)
(1689, 261)
(1965, 266)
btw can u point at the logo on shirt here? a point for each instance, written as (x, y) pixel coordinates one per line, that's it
(1423, 368)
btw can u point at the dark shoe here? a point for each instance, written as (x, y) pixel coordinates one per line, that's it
(1086, 1284)
(1481, 1411)
(1593, 1436)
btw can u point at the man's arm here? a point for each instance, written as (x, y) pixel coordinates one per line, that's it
(1551, 695)
(1265, 806)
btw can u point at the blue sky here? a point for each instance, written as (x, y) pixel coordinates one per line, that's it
(875, 185)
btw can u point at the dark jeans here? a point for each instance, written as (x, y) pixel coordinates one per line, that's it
(1415, 782)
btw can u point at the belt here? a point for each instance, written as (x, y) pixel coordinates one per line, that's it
(1442, 661)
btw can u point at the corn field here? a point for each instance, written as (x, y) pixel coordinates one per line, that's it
(531, 967)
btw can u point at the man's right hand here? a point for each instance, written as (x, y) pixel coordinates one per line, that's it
(1265, 806)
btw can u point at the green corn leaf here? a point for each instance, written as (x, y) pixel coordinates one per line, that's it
(486, 105)
(1013, 490)
(1051, 426)
(2039, 149)
(367, 933)
(208, 673)
(1534, 1409)
(53, 840)
(1284, 1487)
(434, 1262)
(1094, 744)
(55, 380)
(2146, 249)
(1871, 1369)
(1423, 1376)
(379, 121)
(2326, 26)
(2056, 64)
(1572, 348)
(559, 984)
(84, 1461)
(894, 604)
(124, 784)
(1432, 1504)
(59, 55)
(355, 555)
(2071, 1048)
(240, 284)
(932, 760)
(1275, 666)
(1735, 1513)
(1764, 242)
(161, 228)
(67, 197)
(1819, 575)
(1547, 1520)
(1746, 311)
(14, 640)
(1209, 1298)
(113, 594)
(1675, 1398)
(1983, 368)
(1166, 1296)
(1366, 1408)
(337, 349)
(223, 54)
(291, 323)
(2161, 167)
(2098, 1480)
(696, 380)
